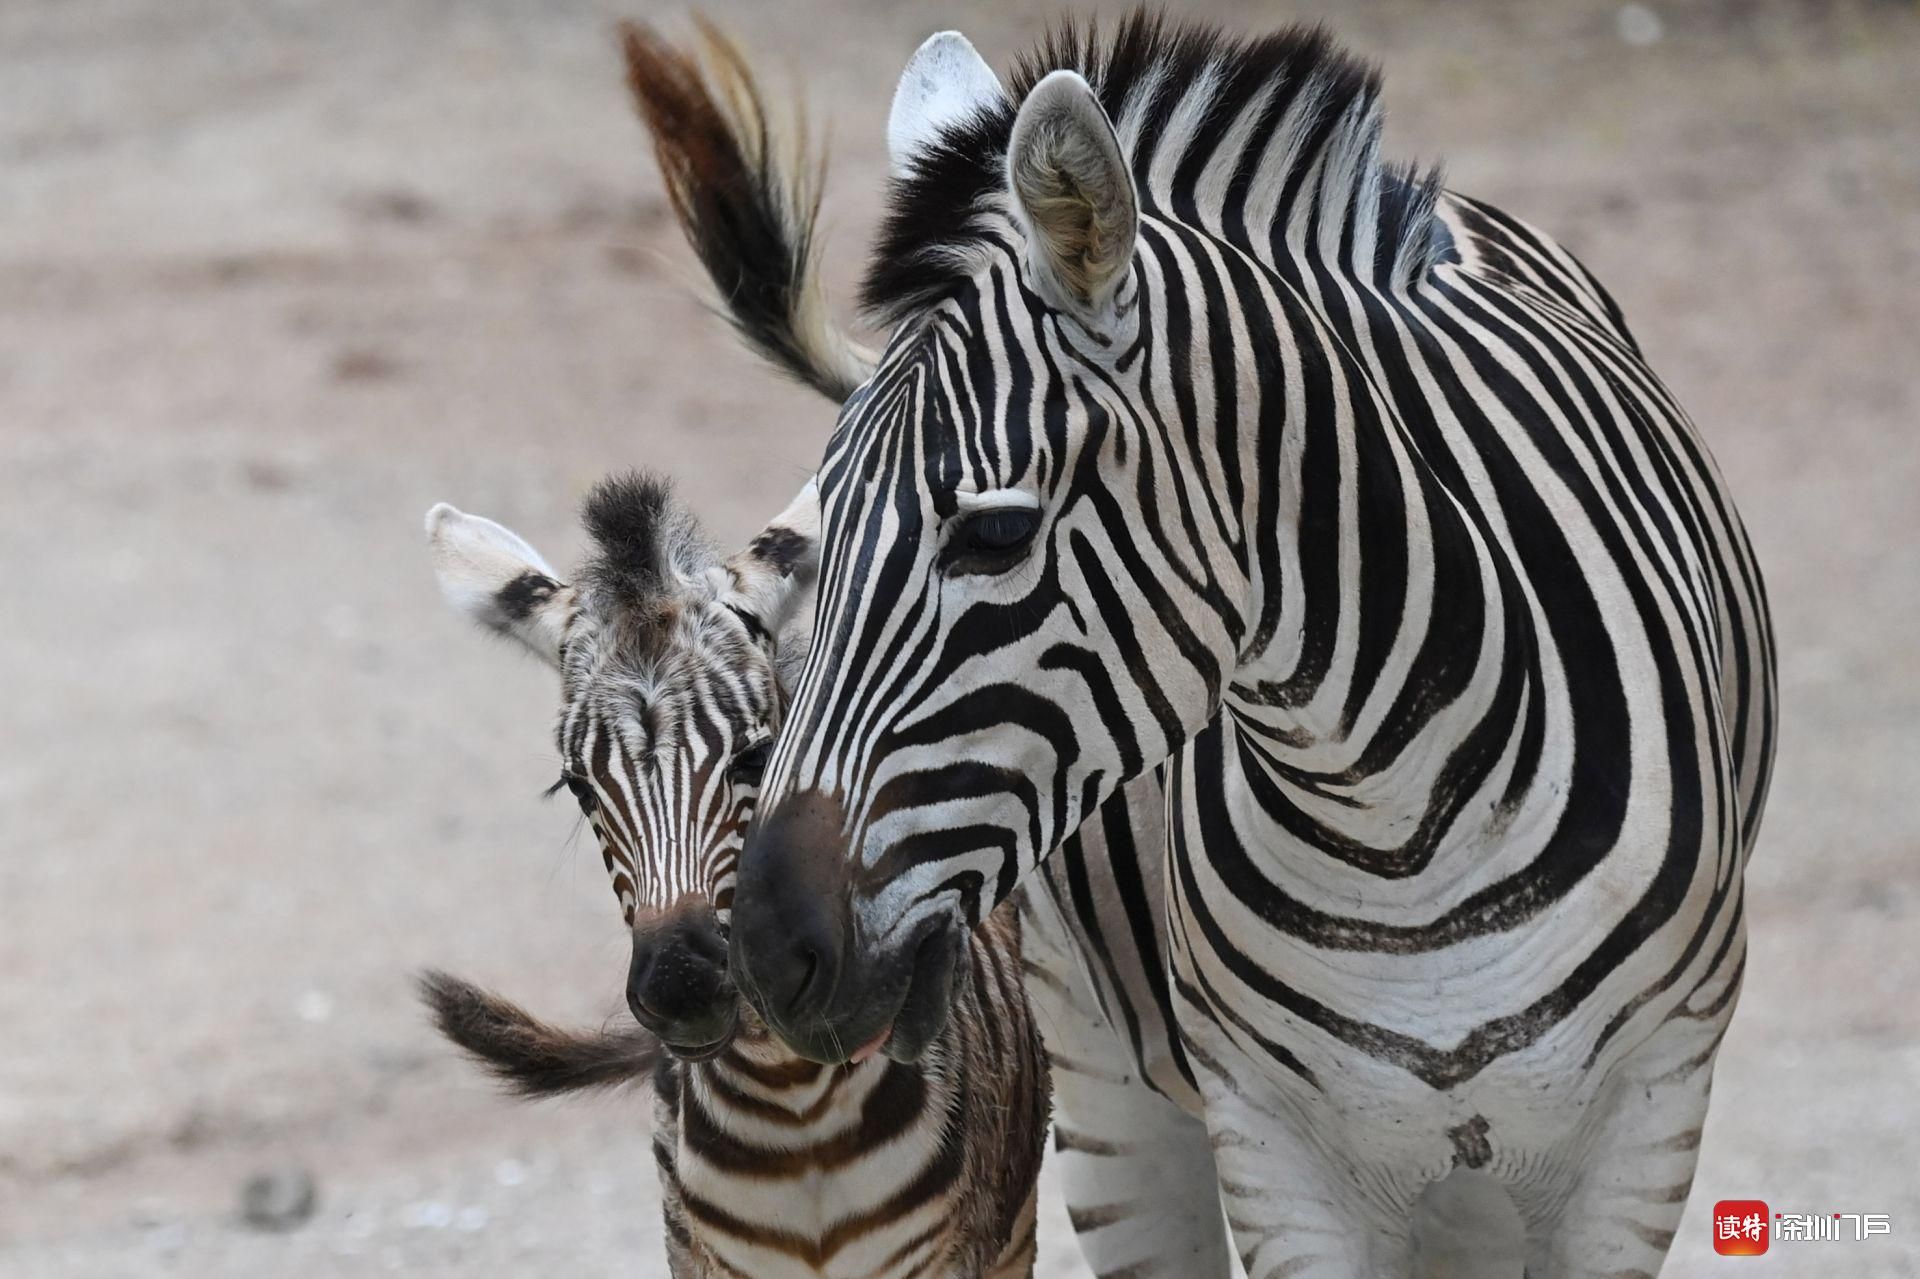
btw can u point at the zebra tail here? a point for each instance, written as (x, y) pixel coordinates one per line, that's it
(747, 198)
(532, 1058)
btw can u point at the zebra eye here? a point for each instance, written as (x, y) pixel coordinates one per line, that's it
(580, 790)
(748, 766)
(989, 538)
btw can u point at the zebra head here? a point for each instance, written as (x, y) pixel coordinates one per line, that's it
(1020, 604)
(670, 696)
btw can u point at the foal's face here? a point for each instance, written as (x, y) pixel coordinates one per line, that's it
(668, 712)
(669, 702)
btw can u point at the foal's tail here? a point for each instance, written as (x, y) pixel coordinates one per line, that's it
(532, 1058)
(747, 197)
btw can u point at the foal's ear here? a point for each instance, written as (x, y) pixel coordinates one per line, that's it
(1074, 194)
(774, 576)
(490, 574)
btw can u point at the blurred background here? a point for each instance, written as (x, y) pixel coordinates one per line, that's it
(276, 276)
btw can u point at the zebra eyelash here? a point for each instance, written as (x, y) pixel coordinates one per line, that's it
(989, 537)
(749, 763)
(582, 790)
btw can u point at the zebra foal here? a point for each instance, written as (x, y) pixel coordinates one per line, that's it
(771, 1165)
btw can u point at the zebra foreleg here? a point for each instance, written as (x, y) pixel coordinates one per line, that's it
(1138, 1176)
(1137, 1170)
(1299, 1203)
(1292, 1216)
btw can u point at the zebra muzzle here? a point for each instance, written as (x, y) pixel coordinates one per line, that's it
(679, 986)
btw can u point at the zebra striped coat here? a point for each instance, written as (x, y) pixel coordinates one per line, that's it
(1203, 437)
(771, 1165)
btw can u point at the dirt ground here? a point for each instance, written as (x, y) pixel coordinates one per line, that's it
(276, 277)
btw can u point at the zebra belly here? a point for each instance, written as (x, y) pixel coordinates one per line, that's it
(1412, 1065)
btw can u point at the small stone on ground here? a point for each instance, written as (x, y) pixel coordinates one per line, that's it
(278, 1199)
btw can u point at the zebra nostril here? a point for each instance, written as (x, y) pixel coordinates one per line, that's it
(643, 1012)
(811, 970)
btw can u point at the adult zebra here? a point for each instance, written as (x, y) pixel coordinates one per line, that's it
(1203, 437)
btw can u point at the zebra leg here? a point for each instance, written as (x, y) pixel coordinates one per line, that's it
(1293, 1215)
(1623, 1189)
(1137, 1171)
(1138, 1175)
(1299, 1201)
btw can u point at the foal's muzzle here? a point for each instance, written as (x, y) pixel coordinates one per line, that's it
(679, 987)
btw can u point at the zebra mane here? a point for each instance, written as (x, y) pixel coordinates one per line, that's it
(649, 567)
(642, 538)
(1315, 138)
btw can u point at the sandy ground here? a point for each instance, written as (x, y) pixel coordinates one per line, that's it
(275, 277)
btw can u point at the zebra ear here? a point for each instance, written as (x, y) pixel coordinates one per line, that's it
(489, 574)
(1075, 195)
(946, 81)
(774, 575)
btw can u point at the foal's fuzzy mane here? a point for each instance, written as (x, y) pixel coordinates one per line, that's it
(642, 537)
(1149, 72)
(647, 565)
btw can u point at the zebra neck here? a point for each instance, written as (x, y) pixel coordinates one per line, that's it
(1388, 658)
(760, 1077)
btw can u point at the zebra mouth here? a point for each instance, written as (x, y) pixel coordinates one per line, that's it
(712, 1048)
(700, 1054)
(929, 995)
(871, 1049)
(917, 990)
